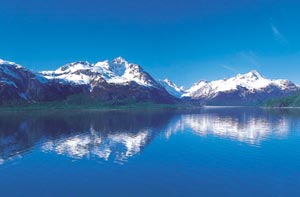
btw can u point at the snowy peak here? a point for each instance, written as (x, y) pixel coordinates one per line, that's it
(200, 83)
(172, 88)
(75, 66)
(12, 70)
(5, 62)
(9, 63)
(254, 74)
(118, 66)
(73, 72)
(126, 72)
(119, 60)
(170, 83)
(173, 85)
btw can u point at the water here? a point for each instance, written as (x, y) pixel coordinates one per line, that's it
(209, 152)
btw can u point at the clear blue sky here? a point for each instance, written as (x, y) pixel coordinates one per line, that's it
(184, 40)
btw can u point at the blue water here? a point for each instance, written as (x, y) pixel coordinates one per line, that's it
(208, 152)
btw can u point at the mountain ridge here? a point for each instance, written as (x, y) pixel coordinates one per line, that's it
(250, 88)
(118, 79)
(103, 81)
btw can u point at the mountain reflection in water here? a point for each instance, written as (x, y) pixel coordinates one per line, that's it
(119, 135)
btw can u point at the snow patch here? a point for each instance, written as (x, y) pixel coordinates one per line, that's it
(172, 88)
(23, 96)
(3, 80)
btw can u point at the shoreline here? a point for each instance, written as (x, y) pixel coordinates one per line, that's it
(100, 107)
(119, 107)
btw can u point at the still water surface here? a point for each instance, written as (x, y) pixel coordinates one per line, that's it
(209, 152)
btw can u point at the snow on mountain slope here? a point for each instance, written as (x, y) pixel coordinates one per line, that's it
(117, 71)
(172, 88)
(19, 83)
(4, 62)
(14, 70)
(251, 82)
(72, 72)
(8, 69)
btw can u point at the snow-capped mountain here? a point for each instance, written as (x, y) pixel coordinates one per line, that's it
(117, 71)
(249, 88)
(114, 80)
(172, 88)
(111, 80)
(20, 84)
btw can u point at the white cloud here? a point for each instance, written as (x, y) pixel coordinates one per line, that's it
(229, 68)
(278, 35)
(249, 58)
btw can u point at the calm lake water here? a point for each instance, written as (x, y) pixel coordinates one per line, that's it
(209, 152)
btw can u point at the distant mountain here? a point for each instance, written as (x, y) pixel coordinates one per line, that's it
(244, 89)
(172, 88)
(247, 89)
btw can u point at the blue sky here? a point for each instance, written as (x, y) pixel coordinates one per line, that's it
(184, 40)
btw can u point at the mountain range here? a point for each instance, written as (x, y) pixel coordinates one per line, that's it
(119, 80)
(244, 89)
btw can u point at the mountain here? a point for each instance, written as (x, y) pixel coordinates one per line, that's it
(111, 80)
(172, 88)
(18, 84)
(119, 81)
(115, 80)
(247, 89)
(117, 71)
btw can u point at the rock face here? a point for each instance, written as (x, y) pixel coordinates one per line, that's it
(248, 89)
(20, 84)
(103, 81)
